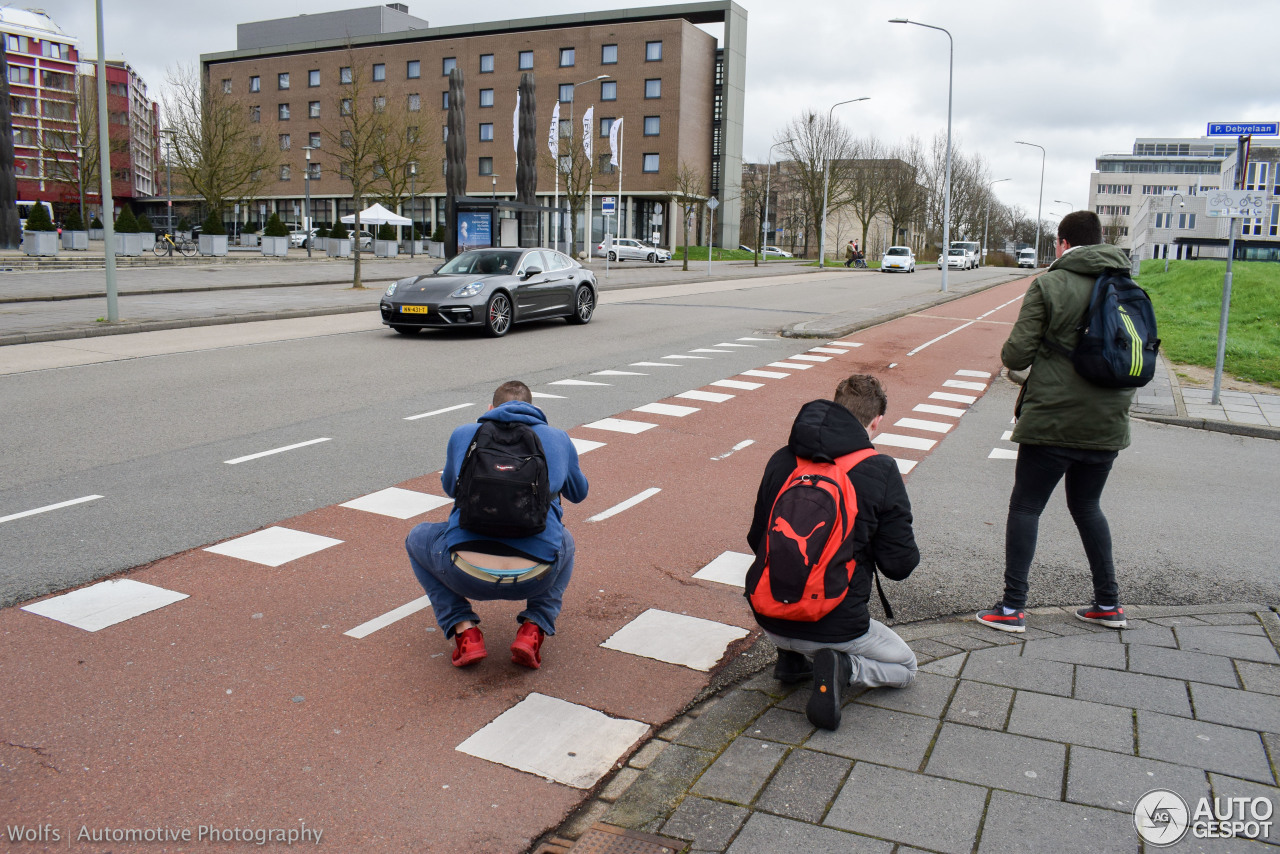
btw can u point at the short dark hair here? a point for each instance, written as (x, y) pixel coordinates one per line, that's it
(512, 390)
(863, 396)
(1080, 228)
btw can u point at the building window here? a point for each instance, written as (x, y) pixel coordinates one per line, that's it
(313, 139)
(486, 63)
(651, 163)
(566, 93)
(415, 102)
(65, 82)
(22, 106)
(566, 57)
(282, 80)
(606, 166)
(444, 100)
(284, 142)
(56, 51)
(411, 134)
(486, 165)
(526, 60)
(313, 78)
(413, 69)
(345, 139)
(284, 172)
(255, 113)
(652, 51)
(445, 128)
(226, 86)
(20, 74)
(344, 74)
(605, 125)
(486, 132)
(379, 103)
(609, 54)
(653, 87)
(313, 171)
(1275, 219)
(313, 109)
(486, 97)
(449, 63)
(566, 128)
(608, 90)
(283, 112)
(255, 84)
(344, 107)
(379, 72)
(652, 125)
(16, 44)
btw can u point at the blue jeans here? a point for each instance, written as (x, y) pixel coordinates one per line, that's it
(1039, 469)
(450, 589)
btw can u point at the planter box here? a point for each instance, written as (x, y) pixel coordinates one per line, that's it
(338, 247)
(250, 240)
(75, 240)
(435, 248)
(213, 244)
(385, 248)
(40, 243)
(148, 240)
(319, 244)
(97, 234)
(128, 245)
(411, 247)
(275, 246)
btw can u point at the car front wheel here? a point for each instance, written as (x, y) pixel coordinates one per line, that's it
(497, 315)
(652, 258)
(584, 307)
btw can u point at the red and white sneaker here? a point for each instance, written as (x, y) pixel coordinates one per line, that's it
(1112, 618)
(525, 649)
(470, 647)
(996, 618)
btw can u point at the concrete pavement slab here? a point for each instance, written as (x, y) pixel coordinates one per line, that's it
(1017, 823)
(934, 813)
(740, 771)
(888, 737)
(708, 825)
(783, 836)
(999, 760)
(1236, 708)
(805, 784)
(1006, 666)
(1072, 721)
(1104, 779)
(1133, 690)
(1228, 750)
(981, 705)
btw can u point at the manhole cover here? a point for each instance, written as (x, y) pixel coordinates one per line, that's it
(607, 839)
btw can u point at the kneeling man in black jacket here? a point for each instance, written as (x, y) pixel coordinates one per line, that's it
(846, 646)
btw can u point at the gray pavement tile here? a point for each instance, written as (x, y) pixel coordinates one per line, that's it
(949, 666)
(1071, 627)
(1176, 621)
(1232, 707)
(1017, 824)
(1256, 631)
(999, 760)
(804, 785)
(643, 757)
(979, 704)
(1230, 619)
(1203, 745)
(927, 695)
(941, 815)
(724, 719)
(1096, 652)
(963, 640)
(1133, 690)
(879, 735)
(1229, 787)
(741, 771)
(932, 648)
(765, 684)
(1103, 779)
(619, 783)
(1259, 677)
(1179, 664)
(1072, 721)
(1149, 635)
(781, 725)
(663, 784)
(1217, 642)
(784, 836)
(1004, 666)
(709, 825)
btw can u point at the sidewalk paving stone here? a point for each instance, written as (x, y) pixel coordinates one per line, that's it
(783, 836)
(1236, 708)
(1007, 667)
(949, 666)
(1213, 747)
(709, 825)
(1179, 664)
(888, 737)
(724, 720)
(1103, 779)
(1218, 642)
(1017, 824)
(998, 759)
(665, 783)
(1133, 690)
(1148, 634)
(1078, 651)
(980, 705)
(1232, 787)
(741, 771)
(942, 815)
(1259, 677)
(927, 695)
(805, 784)
(782, 725)
(1072, 721)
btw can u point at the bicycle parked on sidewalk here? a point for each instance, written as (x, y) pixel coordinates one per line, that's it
(165, 245)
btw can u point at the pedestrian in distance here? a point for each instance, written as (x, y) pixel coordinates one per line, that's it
(1067, 427)
(850, 252)
(829, 512)
(504, 538)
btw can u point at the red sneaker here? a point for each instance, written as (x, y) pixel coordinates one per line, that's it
(470, 647)
(524, 649)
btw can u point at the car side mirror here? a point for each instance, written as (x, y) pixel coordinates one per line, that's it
(530, 272)
(436, 269)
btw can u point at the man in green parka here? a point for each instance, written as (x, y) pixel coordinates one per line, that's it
(1067, 427)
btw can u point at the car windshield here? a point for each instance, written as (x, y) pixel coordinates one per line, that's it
(484, 262)
(898, 250)
(957, 251)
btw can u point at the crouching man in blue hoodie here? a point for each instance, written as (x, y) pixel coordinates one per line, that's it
(455, 565)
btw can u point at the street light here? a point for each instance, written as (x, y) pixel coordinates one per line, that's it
(764, 245)
(1169, 223)
(946, 189)
(80, 149)
(1064, 202)
(306, 216)
(413, 225)
(495, 184)
(987, 221)
(826, 169)
(572, 130)
(167, 135)
(1040, 203)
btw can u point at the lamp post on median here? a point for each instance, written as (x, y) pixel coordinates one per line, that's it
(306, 217)
(946, 189)
(764, 243)
(1040, 203)
(413, 225)
(987, 221)
(826, 173)
(1064, 202)
(1169, 223)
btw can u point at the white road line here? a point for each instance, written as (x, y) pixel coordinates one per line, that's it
(708, 396)
(965, 384)
(1002, 454)
(576, 382)
(738, 447)
(274, 451)
(769, 375)
(833, 350)
(939, 410)
(805, 357)
(920, 424)
(847, 343)
(618, 374)
(666, 409)
(584, 445)
(905, 466)
(46, 509)
(549, 396)
(681, 356)
(653, 365)
(756, 339)
(1002, 305)
(438, 411)
(708, 350)
(725, 344)
(897, 441)
(943, 335)
(738, 384)
(365, 629)
(619, 425)
(954, 398)
(626, 505)
(795, 366)
(983, 374)
(1006, 436)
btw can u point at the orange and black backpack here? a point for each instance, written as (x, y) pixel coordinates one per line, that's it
(796, 576)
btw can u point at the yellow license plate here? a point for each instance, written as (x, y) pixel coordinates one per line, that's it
(414, 309)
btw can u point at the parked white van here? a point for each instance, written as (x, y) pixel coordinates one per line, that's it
(1027, 258)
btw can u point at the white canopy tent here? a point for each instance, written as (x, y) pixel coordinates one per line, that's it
(377, 215)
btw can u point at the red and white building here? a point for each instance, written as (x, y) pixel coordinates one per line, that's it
(136, 171)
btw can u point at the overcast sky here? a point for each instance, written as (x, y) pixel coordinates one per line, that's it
(1081, 79)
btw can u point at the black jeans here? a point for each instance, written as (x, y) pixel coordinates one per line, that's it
(1039, 469)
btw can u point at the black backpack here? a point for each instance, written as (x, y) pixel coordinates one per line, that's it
(1118, 341)
(503, 488)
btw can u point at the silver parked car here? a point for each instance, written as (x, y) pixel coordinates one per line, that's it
(628, 249)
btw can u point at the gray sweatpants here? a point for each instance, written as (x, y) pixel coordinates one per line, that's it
(880, 658)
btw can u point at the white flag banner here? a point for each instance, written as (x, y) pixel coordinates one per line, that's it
(587, 118)
(515, 125)
(553, 139)
(615, 139)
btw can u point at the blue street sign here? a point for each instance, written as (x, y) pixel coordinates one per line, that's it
(608, 204)
(1244, 129)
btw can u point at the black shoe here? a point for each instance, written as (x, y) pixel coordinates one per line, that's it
(792, 667)
(1112, 618)
(831, 672)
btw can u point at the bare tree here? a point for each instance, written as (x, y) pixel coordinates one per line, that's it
(867, 187)
(71, 155)
(812, 142)
(905, 198)
(1113, 231)
(754, 211)
(575, 173)
(404, 144)
(689, 191)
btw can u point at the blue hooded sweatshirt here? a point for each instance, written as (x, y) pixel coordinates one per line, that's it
(566, 478)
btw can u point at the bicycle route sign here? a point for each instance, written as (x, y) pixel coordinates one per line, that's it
(1244, 129)
(1236, 203)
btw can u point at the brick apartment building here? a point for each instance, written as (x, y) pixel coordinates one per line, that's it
(679, 91)
(134, 119)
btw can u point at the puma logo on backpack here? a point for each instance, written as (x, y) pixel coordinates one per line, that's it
(796, 577)
(503, 488)
(1118, 340)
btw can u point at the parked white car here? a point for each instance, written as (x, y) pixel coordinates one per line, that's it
(898, 258)
(1027, 258)
(779, 253)
(628, 249)
(959, 259)
(298, 239)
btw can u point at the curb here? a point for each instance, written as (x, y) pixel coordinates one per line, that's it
(1251, 431)
(195, 290)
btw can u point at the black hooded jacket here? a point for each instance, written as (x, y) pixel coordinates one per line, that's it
(882, 535)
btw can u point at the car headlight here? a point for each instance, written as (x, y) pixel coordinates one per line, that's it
(467, 290)
(391, 289)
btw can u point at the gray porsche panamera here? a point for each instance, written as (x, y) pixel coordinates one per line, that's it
(492, 289)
